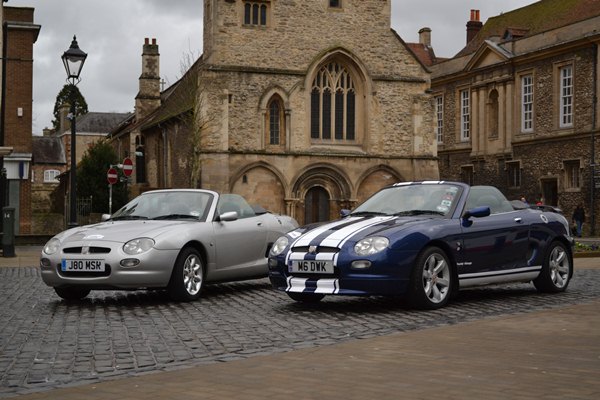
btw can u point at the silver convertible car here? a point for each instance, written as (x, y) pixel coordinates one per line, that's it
(165, 239)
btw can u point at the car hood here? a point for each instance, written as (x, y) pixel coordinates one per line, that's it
(351, 229)
(121, 231)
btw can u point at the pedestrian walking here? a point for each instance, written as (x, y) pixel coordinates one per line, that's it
(579, 219)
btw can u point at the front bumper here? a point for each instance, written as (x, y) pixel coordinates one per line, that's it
(386, 277)
(153, 270)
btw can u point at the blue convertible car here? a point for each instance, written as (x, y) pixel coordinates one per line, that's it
(424, 241)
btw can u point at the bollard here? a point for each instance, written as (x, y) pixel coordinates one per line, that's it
(8, 237)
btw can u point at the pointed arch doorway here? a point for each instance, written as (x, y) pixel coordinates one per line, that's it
(316, 205)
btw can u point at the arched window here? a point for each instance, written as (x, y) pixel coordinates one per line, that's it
(255, 13)
(333, 104)
(275, 121)
(493, 114)
(140, 160)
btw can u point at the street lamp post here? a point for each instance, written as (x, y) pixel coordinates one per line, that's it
(73, 60)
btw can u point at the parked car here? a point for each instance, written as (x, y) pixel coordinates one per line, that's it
(424, 241)
(172, 239)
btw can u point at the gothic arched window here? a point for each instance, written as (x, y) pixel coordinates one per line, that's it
(333, 104)
(275, 121)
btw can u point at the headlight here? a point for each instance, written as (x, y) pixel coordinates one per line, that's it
(279, 245)
(52, 246)
(138, 246)
(371, 245)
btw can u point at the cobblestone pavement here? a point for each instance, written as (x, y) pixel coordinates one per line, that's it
(48, 343)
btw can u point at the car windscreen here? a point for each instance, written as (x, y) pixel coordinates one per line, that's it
(166, 205)
(412, 199)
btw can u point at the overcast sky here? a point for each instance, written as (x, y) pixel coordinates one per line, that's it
(112, 32)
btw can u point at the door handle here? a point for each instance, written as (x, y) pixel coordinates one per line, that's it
(259, 224)
(518, 220)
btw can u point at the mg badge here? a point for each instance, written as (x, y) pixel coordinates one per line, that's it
(312, 249)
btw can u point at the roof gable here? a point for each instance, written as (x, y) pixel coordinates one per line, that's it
(489, 53)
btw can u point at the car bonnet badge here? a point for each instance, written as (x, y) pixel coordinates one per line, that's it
(312, 249)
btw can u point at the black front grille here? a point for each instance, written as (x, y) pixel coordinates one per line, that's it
(90, 250)
(320, 249)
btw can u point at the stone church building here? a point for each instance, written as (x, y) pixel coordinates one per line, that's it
(304, 108)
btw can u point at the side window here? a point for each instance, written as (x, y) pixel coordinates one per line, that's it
(234, 202)
(488, 196)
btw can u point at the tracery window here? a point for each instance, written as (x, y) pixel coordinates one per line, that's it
(333, 104)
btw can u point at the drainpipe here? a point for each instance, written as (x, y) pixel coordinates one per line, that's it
(165, 154)
(593, 141)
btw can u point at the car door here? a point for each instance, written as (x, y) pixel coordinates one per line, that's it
(495, 245)
(240, 245)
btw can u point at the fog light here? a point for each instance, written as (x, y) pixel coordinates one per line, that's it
(361, 264)
(130, 262)
(44, 262)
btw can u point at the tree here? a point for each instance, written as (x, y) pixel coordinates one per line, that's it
(64, 96)
(91, 178)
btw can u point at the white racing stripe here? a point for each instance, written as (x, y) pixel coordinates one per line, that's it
(309, 236)
(324, 286)
(338, 238)
(500, 272)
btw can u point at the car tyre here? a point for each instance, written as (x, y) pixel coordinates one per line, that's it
(557, 269)
(72, 293)
(431, 280)
(308, 298)
(187, 277)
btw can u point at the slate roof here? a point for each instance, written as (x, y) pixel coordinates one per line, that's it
(533, 19)
(100, 122)
(48, 150)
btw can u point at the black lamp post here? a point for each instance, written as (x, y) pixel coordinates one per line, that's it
(73, 60)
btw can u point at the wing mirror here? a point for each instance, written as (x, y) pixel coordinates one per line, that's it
(344, 212)
(105, 217)
(477, 212)
(228, 216)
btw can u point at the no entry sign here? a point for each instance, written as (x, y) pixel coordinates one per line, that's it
(112, 176)
(127, 166)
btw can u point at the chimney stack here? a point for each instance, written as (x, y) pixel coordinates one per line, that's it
(148, 97)
(425, 36)
(473, 26)
(64, 121)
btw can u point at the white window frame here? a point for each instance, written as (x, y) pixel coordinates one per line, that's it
(465, 115)
(566, 96)
(50, 176)
(527, 103)
(439, 113)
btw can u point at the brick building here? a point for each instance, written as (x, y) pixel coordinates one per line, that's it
(517, 107)
(20, 33)
(303, 107)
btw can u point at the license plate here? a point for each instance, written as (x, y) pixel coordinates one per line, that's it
(83, 266)
(312, 267)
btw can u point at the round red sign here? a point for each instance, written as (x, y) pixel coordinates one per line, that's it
(112, 176)
(127, 166)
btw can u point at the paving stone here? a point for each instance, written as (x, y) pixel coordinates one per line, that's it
(46, 342)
